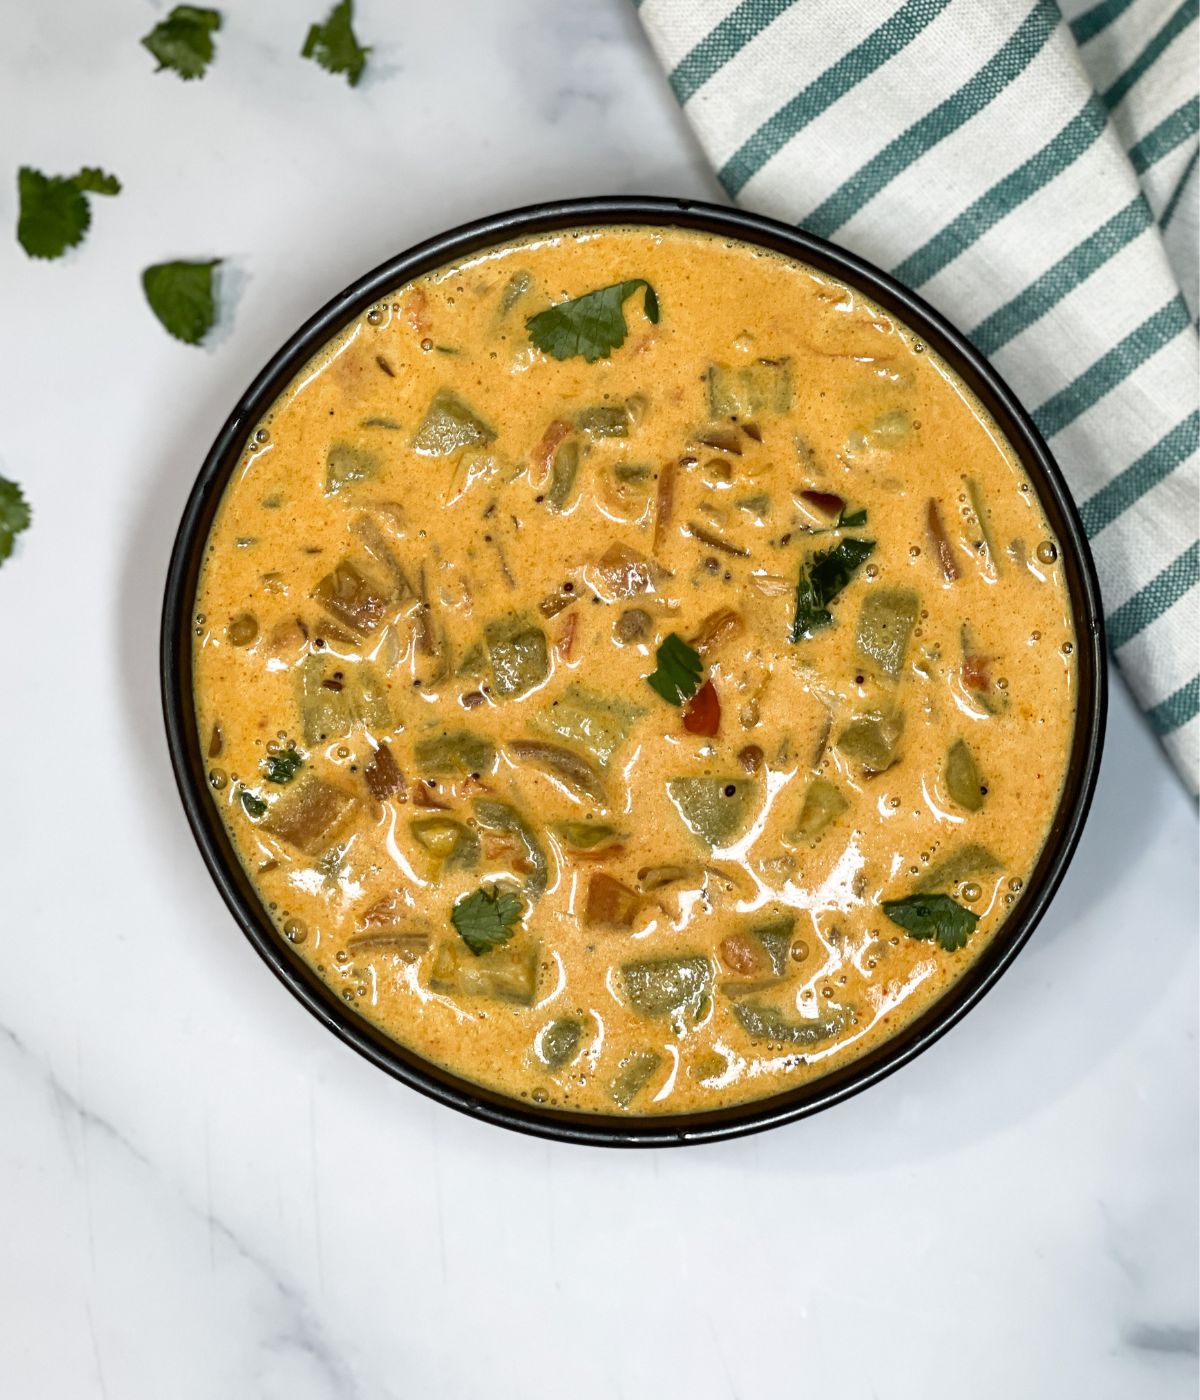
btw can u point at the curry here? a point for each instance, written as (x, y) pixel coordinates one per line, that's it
(633, 670)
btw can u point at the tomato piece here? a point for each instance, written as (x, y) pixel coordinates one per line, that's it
(702, 715)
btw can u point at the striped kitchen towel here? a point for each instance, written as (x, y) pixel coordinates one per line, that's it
(1030, 169)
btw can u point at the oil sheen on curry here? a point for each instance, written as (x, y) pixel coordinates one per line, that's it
(633, 671)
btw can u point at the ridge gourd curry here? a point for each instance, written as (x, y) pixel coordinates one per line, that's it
(633, 670)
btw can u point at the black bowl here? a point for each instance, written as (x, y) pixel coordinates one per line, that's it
(324, 1002)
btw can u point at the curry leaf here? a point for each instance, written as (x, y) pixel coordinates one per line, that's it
(14, 515)
(822, 578)
(184, 40)
(487, 918)
(593, 325)
(933, 916)
(54, 212)
(181, 296)
(676, 676)
(332, 44)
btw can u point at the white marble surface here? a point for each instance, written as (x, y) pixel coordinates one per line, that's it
(204, 1195)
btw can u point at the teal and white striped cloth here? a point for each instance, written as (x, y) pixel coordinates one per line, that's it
(1030, 169)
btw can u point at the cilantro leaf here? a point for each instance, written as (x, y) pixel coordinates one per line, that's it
(181, 296)
(282, 767)
(333, 45)
(852, 521)
(933, 916)
(254, 805)
(14, 515)
(54, 209)
(822, 578)
(593, 325)
(486, 919)
(184, 40)
(676, 676)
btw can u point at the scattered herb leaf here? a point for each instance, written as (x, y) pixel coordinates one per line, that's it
(254, 805)
(677, 671)
(486, 919)
(181, 296)
(183, 41)
(593, 325)
(852, 521)
(822, 578)
(54, 213)
(282, 767)
(332, 44)
(933, 916)
(14, 515)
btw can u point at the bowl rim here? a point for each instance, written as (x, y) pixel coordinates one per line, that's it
(175, 659)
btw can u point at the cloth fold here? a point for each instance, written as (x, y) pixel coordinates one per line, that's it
(1030, 168)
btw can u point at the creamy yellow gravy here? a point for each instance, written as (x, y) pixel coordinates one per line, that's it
(440, 579)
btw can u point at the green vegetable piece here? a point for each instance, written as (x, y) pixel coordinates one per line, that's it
(890, 428)
(310, 814)
(761, 1021)
(346, 464)
(499, 816)
(332, 44)
(505, 974)
(487, 918)
(449, 426)
(563, 475)
(330, 707)
(282, 767)
(352, 599)
(604, 421)
(593, 325)
(15, 515)
(968, 860)
(676, 676)
(775, 935)
(667, 986)
(717, 810)
(823, 805)
(181, 296)
(597, 724)
(873, 739)
(514, 289)
(456, 846)
(933, 916)
(456, 751)
(559, 1041)
(54, 211)
(748, 391)
(822, 578)
(474, 662)
(885, 623)
(254, 805)
(975, 496)
(573, 772)
(584, 836)
(634, 1072)
(963, 782)
(183, 41)
(518, 655)
(759, 505)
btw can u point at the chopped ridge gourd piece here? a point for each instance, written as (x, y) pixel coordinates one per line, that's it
(621, 572)
(559, 1041)
(872, 740)
(352, 599)
(823, 805)
(667, 986)
(499, 816)
(449, 842)
(749, 391)
(597, 724)
(604, 420)
(408, 947)
(761, 1021)
(775, 935)
(310, 814)
(507, 973)
(518, 655)
(584, 836)
(717, 810)
(457, 751)
(335, 695)
(968, 860)
(563, 475)
(449, 426)
(633, 1074)
(574, 773)
(885, 623)
(346, 464)
(610, 904)
(963, 782)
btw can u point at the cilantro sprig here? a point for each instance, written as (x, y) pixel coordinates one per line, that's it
(487, 918)
(332, 44)
(822, 578)
(15, 515)
(677, 672)
(282, 767)
(183, 41)
(593, 325)
(181, 296)
(54, 211)
(934, 917)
